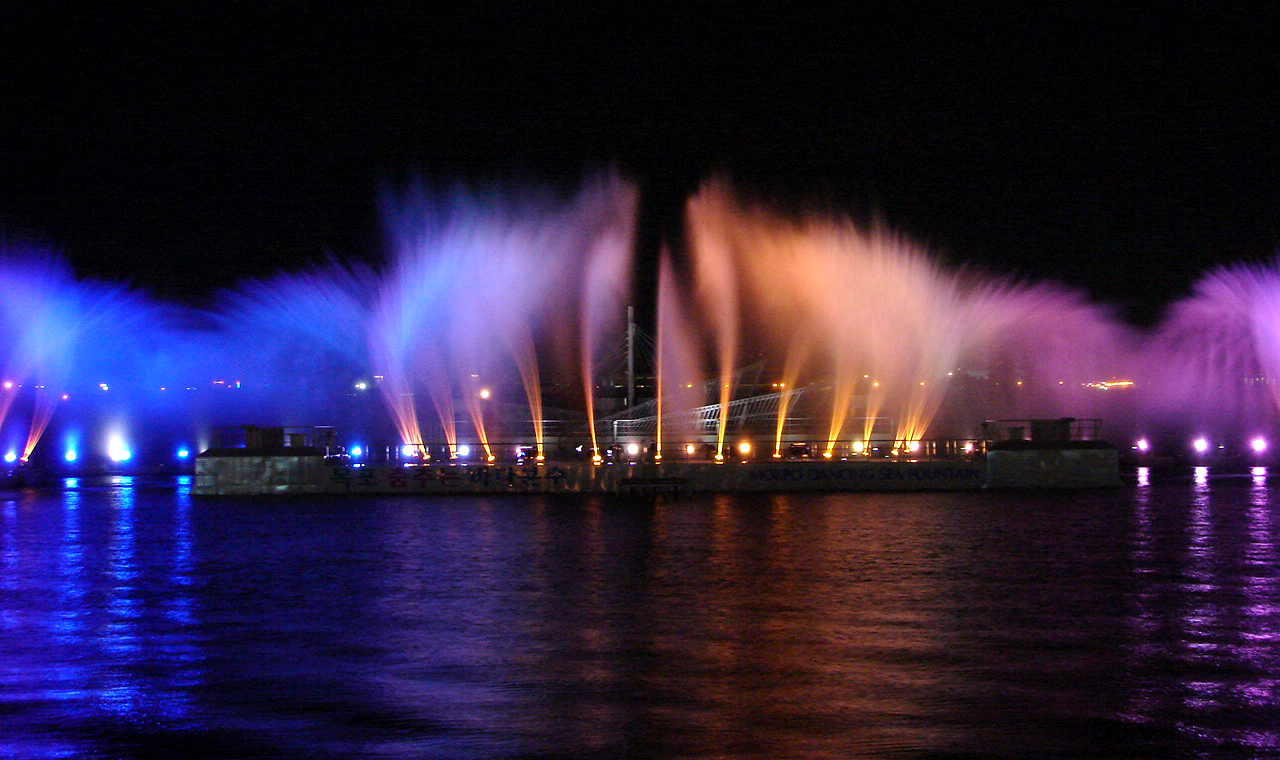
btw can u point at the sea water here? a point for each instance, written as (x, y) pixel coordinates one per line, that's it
(1143, 621)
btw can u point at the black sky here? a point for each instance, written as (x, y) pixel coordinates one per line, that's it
(182, 147)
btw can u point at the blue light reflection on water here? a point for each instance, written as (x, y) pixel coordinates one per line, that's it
(1139, 623)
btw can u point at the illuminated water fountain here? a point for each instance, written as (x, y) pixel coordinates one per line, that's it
(880, 325)
(495, 304)
(484, 287)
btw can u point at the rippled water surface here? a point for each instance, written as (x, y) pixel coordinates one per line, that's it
(1142, 622)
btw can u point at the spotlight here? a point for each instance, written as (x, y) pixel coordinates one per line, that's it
(744, 448)
(356, 451)
(913, 446)
(464, 451)
(1143, 445)
(1200, 445)
(859, 447)
(633, 449)
(71, 455)
(1258, 444)
(689, 448)
(183, 453)
(11, 457)
(117, 451)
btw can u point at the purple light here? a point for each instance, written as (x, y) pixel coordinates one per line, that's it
(1258, 444)
(1200, 445)
(1143, 445)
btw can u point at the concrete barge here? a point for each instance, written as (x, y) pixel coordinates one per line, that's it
(288, 471)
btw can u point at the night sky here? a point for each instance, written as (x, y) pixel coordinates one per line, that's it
(183, 147)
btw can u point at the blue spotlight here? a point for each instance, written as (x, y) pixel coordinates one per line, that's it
(71, 455)
(356, 451)
(11, 457)
(183, 453)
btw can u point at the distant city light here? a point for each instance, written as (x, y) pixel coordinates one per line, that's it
(1105, 385)
(103, 386)
(1259, 444)
(1200, 445)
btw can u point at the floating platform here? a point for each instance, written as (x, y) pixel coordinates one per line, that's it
(289, 471)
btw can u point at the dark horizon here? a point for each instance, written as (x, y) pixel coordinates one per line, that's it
(186, 149)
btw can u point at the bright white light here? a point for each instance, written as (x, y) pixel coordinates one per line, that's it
(464, 450)
(357, 451)
(1259, 444)
(103, 386)
(117, 451)
(913, 446)
(8, 385)
(408, 451)
(1200, 445)
(1143, 445)
(362, 385)
(744, 448)
(11, 457)
(183, 453)
(968, 447)
(859, 447)
(484, 393)
(633, 449)
(71, 455)
(689, 448)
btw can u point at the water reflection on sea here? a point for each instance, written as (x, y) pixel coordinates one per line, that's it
(1141, 622)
